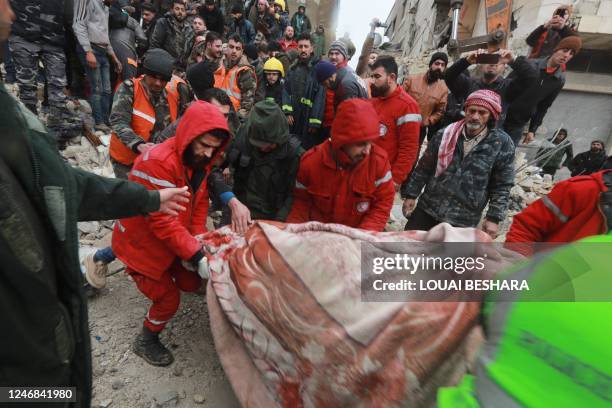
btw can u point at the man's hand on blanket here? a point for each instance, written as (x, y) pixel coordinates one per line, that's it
(241, 216)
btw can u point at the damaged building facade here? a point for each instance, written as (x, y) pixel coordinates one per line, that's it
(416, 27)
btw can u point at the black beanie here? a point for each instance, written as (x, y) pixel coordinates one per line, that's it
(438, 56)
(201, 76)
(251, 51)
(158, 62)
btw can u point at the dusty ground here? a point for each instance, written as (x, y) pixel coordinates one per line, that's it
(122, 379)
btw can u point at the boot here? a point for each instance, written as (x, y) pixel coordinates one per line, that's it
(148, 346)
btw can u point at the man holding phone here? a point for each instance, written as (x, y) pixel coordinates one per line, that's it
(545, 38)
(492, 67)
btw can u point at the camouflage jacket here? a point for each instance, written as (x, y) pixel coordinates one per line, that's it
(172, 36)
(121, 114)
(247, 83)
(41, 21)
(460, 194)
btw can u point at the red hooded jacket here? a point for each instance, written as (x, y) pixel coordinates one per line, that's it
(360, 196)
(568, 213)
(149, 244)
(400, 126)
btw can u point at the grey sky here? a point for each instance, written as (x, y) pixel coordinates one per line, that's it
(355, 16)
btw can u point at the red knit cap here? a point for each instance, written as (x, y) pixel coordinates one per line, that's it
(487, 99)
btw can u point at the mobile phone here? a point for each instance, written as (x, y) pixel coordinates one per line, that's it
(560, 12)
(487, 59)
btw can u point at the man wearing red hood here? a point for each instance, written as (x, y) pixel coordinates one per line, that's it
(347, 179)
(576, 208)
(162, 252)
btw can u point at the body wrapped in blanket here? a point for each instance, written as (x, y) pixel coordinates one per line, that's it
(291, 329)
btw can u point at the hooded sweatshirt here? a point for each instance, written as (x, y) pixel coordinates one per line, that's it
(330, 188)
(264, 181)
(150, 244)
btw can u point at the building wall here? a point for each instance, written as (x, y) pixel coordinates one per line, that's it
(320, 11)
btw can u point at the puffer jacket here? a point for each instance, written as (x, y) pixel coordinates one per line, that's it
(150, 244)
(571, 211)
(460, 194)
(330, 189)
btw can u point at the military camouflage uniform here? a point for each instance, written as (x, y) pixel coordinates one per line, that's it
(247, 83)
(460, 194)
(121, 118)
(38, 35)
(172, 35)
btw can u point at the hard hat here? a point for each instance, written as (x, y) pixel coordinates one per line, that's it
(274, 65)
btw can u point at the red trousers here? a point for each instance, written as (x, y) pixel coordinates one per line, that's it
(165, 293)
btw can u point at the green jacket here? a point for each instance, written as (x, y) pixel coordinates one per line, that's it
(46, 334)
(541, 353)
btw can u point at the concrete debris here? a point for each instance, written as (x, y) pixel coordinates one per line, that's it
(198, 399)
(166, 399)
(106, 403)
(117, 384)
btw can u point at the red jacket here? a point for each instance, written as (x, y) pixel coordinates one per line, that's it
(400, 126)
(328, 191)
(149, 244)
(330, 95)
(287, 45)
(568, 213)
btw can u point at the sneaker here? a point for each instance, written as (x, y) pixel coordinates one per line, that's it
(95, 272)
(103, 127)
(150, 349)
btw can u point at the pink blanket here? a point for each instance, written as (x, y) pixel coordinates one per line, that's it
(291, 329)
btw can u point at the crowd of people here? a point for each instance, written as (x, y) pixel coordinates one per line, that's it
(247, 109)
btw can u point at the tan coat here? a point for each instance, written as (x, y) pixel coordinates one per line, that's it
(431, 98)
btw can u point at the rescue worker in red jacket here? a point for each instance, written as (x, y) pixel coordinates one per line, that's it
(576, 208)
(400, 119)
(347, 179)
(161, 252)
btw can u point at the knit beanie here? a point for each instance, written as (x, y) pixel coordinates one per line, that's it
(340, 47)
(201, 76)
(573, 42)
(158, 62)
(324, 70)
(487, 99)
(251, 51)
(438, 56)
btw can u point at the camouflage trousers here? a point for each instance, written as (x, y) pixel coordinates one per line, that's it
(26, 57)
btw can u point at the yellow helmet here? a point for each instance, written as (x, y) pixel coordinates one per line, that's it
(274, 65)
(280, 3)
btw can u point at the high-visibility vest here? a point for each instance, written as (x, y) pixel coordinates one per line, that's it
(143, 118)
(227, 80)
(547, 354)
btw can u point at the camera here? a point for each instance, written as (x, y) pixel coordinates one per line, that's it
(379, 24)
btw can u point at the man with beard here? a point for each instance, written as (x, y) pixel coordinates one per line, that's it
(589, 162)
(467, 166)
(213, 17)
(213, 47)
(241, 26)
(430, 92)
(307, 97)
(142, 108)
(288, 41)
(238, 80)
(400, 119)
(346, 179)
(172, 32)
(533, 103)
(461, 84)
(162, 253)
